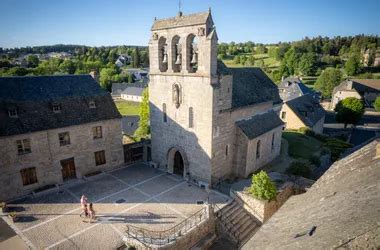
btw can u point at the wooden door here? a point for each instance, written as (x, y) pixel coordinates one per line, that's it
(68, 169)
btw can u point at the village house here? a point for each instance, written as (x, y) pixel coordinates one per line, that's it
(54, 129)
(133, 94)
(292, 87)
(208, 122)
(121, 88)
(303, 111)
(365, 89)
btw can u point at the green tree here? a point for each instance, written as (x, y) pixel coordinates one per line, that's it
(261, 49)
(250, 61)
(243, 59)
(349, 110)
(328, 80)
(289, 64)
(376, 104)
(143, 130)
(32, 61)
(353, 65)
(107, 76)
(68, 66)
(136, 58)
(130, 78)
(307, 65)
(237, 59)
(262, 187)
(273, 51)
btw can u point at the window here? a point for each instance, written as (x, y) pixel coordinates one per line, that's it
(272, 142)
(226, 151)
(164, 112)
(191, 117)
(283, 115)
(64, 138)
(28, 176)
(97, 132)
(91, 104)
(258, 150)
(216, 132)
(56, 108)
(100, 158)
(12, 113)
(23, 146)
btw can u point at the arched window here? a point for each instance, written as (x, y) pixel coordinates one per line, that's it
(164, 112)
(162, 54)
(191, 117)
(176, 54)
(272, 142)
(192, 53)
(258, 149)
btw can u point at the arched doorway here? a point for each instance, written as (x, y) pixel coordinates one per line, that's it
(177, 162)
(178, 167)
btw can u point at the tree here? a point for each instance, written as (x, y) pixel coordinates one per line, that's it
(143, 130)
(376, 104)
(107, 77)
(136, 58)
(68, 66)
(328, 80)
(237, 59)
(262, 187)
(130, 78)
(250, 61)
(261, 49)
(289, 64)
(349, 110)
(307, 65)
(353, 65)
(32, 61)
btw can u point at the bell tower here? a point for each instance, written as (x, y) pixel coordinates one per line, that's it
(183, 67)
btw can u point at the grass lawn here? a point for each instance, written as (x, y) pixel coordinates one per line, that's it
(128, 108)
(301, 146)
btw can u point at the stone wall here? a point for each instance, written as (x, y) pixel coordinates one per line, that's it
(46, 154)
(263, 210)
(340, 95)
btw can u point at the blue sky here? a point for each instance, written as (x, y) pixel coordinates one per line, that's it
(118, 22)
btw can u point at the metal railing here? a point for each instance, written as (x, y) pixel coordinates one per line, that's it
(166, 236)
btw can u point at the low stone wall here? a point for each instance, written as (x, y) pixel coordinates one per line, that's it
(184, 242)
(263, 210)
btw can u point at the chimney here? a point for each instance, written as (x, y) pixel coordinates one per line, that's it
(94, 74)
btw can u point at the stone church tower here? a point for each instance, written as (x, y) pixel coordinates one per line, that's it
(201, 111)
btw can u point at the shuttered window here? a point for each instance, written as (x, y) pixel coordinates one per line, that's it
(28, 175)
(100, 157)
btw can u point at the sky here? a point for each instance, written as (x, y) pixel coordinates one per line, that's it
(128, 22)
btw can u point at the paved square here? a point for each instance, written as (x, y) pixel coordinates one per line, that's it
(138, 195)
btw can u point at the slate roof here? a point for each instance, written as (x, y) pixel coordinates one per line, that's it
(181, 20)
(343, 205)
(307, 109)
(118, 88)
(133, 91)
(252, 86)
(33, 98)
(259, 124)
(129, 124)
(360, 85)
(292, 87)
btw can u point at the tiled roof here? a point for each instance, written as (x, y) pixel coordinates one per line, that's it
(292, 87)
(360, 85)
(181, 20)
(251, 86)
(307, 109)
(343, 205)
(259, 124)
(129, 124)
(133, 91)
(33, 98)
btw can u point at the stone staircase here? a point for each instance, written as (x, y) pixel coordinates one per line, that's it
(237, 222)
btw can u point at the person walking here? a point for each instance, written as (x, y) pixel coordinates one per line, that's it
(91, 213)
(83, 202)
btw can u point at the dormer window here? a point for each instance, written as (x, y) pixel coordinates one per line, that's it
(56, 108)
(91, 104)
(12, 113)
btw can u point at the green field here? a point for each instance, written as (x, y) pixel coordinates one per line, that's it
(128, 108)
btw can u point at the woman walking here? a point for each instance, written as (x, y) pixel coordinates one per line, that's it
(91, 213)
(83, 202)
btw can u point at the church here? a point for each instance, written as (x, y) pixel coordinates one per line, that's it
(208, 122)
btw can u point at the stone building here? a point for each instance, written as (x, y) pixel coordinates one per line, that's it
(208, 122)
(365, 89)
(303, 111)
(54, 129)
(293, 87)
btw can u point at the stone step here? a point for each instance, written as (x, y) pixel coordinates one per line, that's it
(238, 225)
(225, 209)
(237, 216)
(231, 211)
(247, 232)
(243, 227)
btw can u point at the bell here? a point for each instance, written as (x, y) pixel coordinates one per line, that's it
(194, 59)
(165, 60)
(178, 60)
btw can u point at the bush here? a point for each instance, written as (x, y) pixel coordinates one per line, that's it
(306, 131)
(315, 160)
(262, 187)
(376, 104)
(299, 168)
